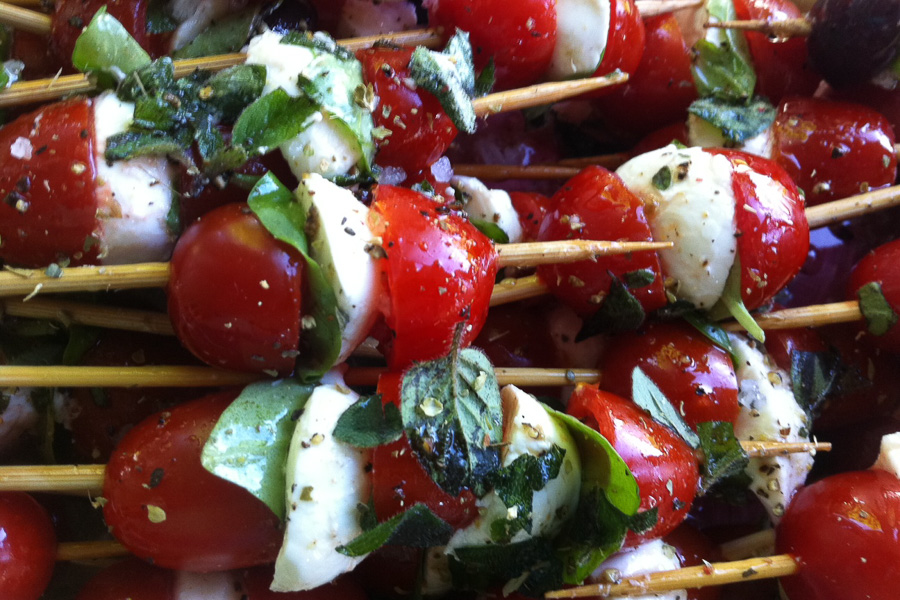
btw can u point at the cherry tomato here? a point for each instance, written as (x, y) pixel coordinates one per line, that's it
(880, 266)
(596, 205)
(626, 39)
(833, 150)
(663, 465)
(235, 293)
(843, 531)
(693, 549)
(695, 375)
(439, 271)
(47, 181)
(419, 131)
(519, 36)
(165, 507)
(781, 344)
(676, 132)
(133, 579)
(531, 207)
(27, 547)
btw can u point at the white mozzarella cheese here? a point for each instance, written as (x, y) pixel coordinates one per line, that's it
(360, 18)
(582, 29)
(225, 585)
(283, 62)
(194, 16)
(528, 429)
(327, 481)
(769, 413)
(494, 206)
(650, 557)
(134, 196)
(18, 418)
(889, 454)
(339, 241)
(695, 211)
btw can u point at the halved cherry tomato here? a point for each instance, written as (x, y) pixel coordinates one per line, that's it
(519, 36)
(626, 39)
(843, 531)
(235, 293)
(165, 507)
(27, 547)
(695, 375)
(881, 266)
(596, 205)
(662, 463)
(439, 271)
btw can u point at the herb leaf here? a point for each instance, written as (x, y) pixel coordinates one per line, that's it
(722, 66)
(814, 377)
(648, 396)
(221, 37)
(620, 312)
(106, 47)
(879, 313)
(249, 444)
(724, 455)
(738, 122)
(450, 76)
(732, 303)
(490, 229)
(272, 120)
(417, 527)
(367, 425)
(452, 416)
(712, 331)
(533, 566)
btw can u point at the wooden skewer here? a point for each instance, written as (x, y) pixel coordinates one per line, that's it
(759, 543)
(543, 93)
(516, 171)
(520, 288)
(854, 206)
(24, 19)
(74, 551)
(756, 449)
(805, 316)
(784, 28)
(721, 573)
(94, 315)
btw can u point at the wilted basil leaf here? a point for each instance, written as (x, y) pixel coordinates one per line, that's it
(416, 527)
(367, 424)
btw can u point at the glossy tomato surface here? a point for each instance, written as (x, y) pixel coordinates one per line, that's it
(662, 463)
(519, 36)
(596, 205)
(626, 40)
(133, 579)
(881, 266)
(439, 271)
(696, 376)
(531, 207)
(418, 131)
(47, 181)
(843, 531)
(833, 150)
(27, 547)
(235, 293)
(165, 507)
(693, 549)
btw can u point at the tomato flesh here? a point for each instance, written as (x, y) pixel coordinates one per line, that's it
(27, 547)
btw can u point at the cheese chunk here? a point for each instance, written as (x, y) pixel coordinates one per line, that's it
(493, 206)
(650, 557)
(889, 454)
(582, 30)
(225, 585)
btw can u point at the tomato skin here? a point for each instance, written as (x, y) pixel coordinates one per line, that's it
(520, 36)
(772, 231)
(833, 150)
(881, 266)
(131, 578)
(781, 344)
(420, 130)
(54, 178)
(210, 524)
(27, 547)
(235, 293)
(439, 272)
(531, 207)
(693, 548)
(695, 375)
(657, 457)
(626, 40)
(843, 531)
(596, 205)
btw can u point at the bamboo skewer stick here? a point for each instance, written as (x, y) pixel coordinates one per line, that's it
(759, 543)
(784, 28)
(520, 288)
(563, 251)
(146, 376)
(721, 573)
(24, 19)
(543, 93)
(516, 171)
(805, 316)
(854, 206)
(756, 449)
(95, 315)
(75, 551)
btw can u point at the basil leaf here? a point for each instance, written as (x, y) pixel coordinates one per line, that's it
(814, 377)
(723, 454)
(879, 313)
(128, 144)
(159, 17)
(158, 75)
(644, 521)
(491, 230)
(249, 444)
(641, 278)
(450, 77)
(485, 81)
(272, 120)
(319, 42)
(712, 331)
(155, 113)
(533, 566)
(620, 312)
(227, 93)
(722, 66)
(279, 212)
(732, 303)
(738, 122)
(221, 37)
(417, 527)
(648, 396)
(81, 339)
(105, 47)
(367, 424)
(452, 416)
(662, 179)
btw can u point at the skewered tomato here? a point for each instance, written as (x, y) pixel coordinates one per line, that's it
(879, 267)
(27, 547)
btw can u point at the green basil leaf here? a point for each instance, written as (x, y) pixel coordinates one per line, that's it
(159, 17)
(662, 179)
(485, 81)
(367, 424)
(318, 41)
(648, 396)
(155, 114)
(878, 312)
(128, 144)
(158, 75)
(814, 377)
(722, 65)
(249, 444)
(450, 77)
(738, 122)
(209, 139)
(732, 303)
(531, 568)
(417, 527)
(644, 521)
(452, 416)
(230, 91)
(221, 37)
(635, 280)
(491, 230)
(272, 120)
(712, 332)
(620, 312)
(723, 454)
(280, 213)
(81, 339)
(105, 47)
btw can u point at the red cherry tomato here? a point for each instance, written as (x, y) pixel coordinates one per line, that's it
(693, 549)
(519, 36)
(695, 375)
(235, 293)
(596, 205)
(47, 181)
(781, 344)
(626, 40)
(676, 132)
(165, 507)
(772, 232)
(881, 266)
(439, 272)
(663, 465)
(843, 531)
(531, 207)
(27, 547)
(420, 130)
(833, 150)
(133, 579)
